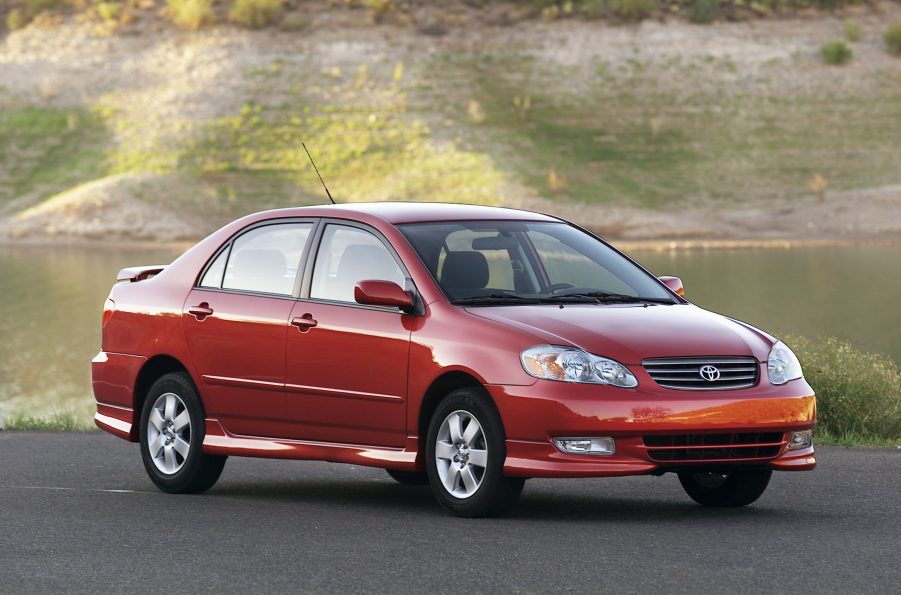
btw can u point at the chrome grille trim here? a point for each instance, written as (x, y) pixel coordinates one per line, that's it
(683, 373)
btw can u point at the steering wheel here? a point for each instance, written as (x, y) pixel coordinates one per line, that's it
(554, 288)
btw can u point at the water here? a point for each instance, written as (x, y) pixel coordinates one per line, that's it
(51, 301)
(849, 292)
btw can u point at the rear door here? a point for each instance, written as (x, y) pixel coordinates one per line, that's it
(236, 321)
(347, 363)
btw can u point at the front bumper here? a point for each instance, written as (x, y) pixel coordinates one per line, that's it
(534, 415)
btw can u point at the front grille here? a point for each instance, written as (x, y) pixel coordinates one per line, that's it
(685, 373)
(714, 447)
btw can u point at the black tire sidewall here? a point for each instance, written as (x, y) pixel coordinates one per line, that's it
(496, 491)
(742, 487)
(183, 480)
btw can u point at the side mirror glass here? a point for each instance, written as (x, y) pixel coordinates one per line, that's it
(382, 293)
(675, 284)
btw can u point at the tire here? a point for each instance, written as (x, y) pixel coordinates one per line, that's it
(177, 463)
(468, 481)
(735, 488)
(409, 478)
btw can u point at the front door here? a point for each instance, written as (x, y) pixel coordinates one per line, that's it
(347, 363)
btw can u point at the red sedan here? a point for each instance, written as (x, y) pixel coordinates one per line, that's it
(466, 347)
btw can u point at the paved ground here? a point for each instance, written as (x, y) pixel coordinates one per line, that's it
(78, 514)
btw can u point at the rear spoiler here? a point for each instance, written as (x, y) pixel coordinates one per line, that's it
(135, 274)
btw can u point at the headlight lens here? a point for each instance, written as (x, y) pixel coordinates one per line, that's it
(568, 364)
(782, 365)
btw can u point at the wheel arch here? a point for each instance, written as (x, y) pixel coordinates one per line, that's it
(154, 368)
(442, 386)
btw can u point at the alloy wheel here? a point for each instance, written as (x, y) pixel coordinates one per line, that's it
(461, 454)
(169, 433)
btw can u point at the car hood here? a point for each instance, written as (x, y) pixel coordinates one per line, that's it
(630, 333)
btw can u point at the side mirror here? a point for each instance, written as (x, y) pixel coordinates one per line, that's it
(675, 284)
(382, 293)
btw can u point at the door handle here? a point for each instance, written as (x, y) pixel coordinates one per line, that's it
(200, 312)
(304, 323)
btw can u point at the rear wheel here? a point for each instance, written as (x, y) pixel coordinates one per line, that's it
(465, 456)
(408, 478)
(171, 435)
(734, 488)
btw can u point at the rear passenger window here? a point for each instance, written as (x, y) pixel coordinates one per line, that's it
(266, 259)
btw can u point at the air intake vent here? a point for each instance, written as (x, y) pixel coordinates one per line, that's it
(703, 373)
(747, 446)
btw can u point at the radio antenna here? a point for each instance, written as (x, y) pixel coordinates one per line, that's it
(329, 194)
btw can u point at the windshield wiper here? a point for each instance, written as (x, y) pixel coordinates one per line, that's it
(496, 298)
(604, 296)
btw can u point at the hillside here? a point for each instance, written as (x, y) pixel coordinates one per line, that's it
(656, 130)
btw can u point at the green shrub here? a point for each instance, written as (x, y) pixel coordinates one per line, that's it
(892, 38)
(36, 6)
(858, 393)
(16, 19)
(835, 52)
(703, 11)
(593, 9)
(191, 14)
(256, 14)
(632, 10)
(109, 12)
(852, 31)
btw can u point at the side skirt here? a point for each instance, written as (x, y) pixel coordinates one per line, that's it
(219, 441)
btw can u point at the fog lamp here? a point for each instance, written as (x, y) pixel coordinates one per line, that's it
(799, 440)
(586, 446)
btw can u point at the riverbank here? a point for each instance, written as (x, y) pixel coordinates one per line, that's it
(652, 133)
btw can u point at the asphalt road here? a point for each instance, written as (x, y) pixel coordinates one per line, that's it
(78, 514)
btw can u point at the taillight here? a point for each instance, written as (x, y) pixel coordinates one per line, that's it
(108, 308)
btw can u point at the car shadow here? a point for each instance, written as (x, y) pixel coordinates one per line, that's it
(388, 497)
(379, 495)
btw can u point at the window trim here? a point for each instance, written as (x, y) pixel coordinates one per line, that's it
(310, 263)
(229, 243)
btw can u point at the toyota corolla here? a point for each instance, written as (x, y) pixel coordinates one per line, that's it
(465, 347)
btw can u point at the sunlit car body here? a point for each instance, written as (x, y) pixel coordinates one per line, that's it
(336, 333)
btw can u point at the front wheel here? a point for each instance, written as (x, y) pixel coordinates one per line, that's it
(171, 436)
(465, 457)
(735, 488)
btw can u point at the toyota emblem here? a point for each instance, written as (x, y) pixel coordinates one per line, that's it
(710, 373)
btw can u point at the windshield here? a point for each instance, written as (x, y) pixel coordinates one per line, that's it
(510, 262)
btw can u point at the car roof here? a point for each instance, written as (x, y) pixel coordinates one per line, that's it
(414, 212)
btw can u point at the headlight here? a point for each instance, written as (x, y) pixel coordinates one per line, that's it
(782, 365)
(569, 364)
